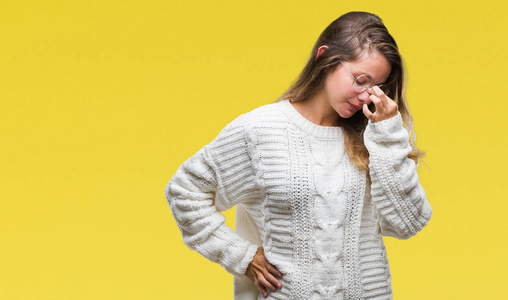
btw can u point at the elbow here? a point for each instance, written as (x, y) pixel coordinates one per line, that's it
(423, 218)
(397, 233)
(400, 233)
(167, 193)
(404, 235)
(404, 231)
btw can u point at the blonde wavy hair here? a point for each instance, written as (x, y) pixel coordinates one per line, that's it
(347, 38)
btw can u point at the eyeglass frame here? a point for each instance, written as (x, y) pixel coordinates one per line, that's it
(355, 79)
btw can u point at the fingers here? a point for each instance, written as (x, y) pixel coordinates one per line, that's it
(385, 107)
(273, 281)
(268, 277)
(376, 99)
(367, 112)
(274, 270)
(263, 274)
(264, 280)
(381, 95)
(267, 282)
(262, 289)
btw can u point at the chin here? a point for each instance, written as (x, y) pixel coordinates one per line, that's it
(346, 115)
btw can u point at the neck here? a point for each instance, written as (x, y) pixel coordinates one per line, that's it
(317, 110)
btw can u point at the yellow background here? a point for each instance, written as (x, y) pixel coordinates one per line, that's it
(101, 101)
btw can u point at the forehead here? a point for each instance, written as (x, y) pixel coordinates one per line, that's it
(373, 64)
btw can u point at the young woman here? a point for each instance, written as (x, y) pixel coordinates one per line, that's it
(317, 177)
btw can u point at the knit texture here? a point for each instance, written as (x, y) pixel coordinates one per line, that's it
(300, 197)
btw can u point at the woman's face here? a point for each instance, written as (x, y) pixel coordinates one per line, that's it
(338, 90)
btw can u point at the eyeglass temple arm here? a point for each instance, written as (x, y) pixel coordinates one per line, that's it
(348, 70)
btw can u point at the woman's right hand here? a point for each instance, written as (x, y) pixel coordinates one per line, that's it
(263, 273)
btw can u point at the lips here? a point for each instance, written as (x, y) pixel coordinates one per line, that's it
(354, 107)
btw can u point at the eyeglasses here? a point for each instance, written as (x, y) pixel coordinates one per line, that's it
(364, 82)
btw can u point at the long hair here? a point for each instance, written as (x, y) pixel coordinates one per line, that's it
(347, 38)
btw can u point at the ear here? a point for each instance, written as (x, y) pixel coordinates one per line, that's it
(320, 50)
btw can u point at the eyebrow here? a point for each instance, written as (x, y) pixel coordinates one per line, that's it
(366, 73)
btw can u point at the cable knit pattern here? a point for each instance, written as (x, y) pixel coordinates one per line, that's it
(299, 196)
(330, 211)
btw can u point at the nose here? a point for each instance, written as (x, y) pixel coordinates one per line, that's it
(364, 97)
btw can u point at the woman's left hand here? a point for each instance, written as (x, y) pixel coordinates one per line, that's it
(386, 108)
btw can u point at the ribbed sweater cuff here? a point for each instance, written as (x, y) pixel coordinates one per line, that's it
(386, 127)
(247, 259)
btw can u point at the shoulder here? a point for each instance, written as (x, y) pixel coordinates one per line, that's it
(262, 115)
(244, 125)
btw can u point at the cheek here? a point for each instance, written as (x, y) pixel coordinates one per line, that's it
(344, 92)
(339, 87)
(345, 89)
(348, 92)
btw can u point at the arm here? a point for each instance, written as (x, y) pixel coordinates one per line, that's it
(216, 178)
(396, 192)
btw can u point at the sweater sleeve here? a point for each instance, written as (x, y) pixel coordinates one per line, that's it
(216, 178)
(400, 200)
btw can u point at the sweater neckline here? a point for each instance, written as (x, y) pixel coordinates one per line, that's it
(317, 131)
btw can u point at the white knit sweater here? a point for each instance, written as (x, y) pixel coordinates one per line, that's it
(298, 195)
